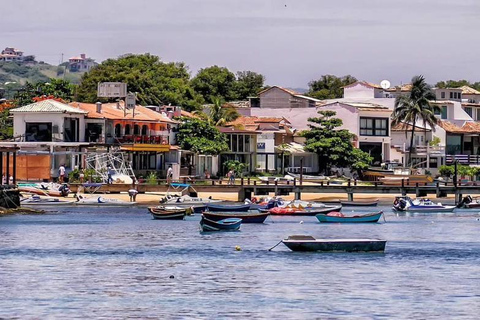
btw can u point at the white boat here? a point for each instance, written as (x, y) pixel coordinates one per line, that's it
(36, 200)
(301, 203)
(406, 204)
(284, 179)
(186, 200)
(306, 177)
(101, 201)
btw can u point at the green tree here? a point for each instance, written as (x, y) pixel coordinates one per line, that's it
(57, 88)
(332, 145)
(248, 84)
(154, 81)
(199, 136)
(415, 107)
(237, 166)
(329, 86)
(215, 83)
(219, 113)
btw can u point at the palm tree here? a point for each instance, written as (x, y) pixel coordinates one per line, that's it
(219, 114)
(415, 107)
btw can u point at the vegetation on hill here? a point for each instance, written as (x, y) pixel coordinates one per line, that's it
(457, 84)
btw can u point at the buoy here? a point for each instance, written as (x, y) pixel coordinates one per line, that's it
(237, 248)
(172, 277)
(301, 222)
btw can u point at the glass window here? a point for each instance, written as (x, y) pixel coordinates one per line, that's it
(373, 126)
(478, 114)
(234, 143)
(442, 94)
(444, 112)
(469, 111)
(247, 143)
(35, 131)
(241, 142)
(451, 95)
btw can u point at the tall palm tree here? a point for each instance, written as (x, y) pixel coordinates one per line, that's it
(219, 114)
(415, 107)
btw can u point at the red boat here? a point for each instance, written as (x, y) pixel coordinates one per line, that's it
(303, 211)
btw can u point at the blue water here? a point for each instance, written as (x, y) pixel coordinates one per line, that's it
(113, 263)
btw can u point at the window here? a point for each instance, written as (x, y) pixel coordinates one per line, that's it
(442, 94)
(373, 126)
(35, 131)
(478, 114)
(469, 111)
(451, 95)
(127, 129)
(136, 129)
(444, 112)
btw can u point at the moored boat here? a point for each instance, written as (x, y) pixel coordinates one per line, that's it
(101, 202)
(247, 217)
(162, 213)
(228, 224)
(363, 203)
(37, 200)
(337, 217)
(227, 207)
(469, 203)
(309, 243)
(303, 211)
(186, 200)
(406, 204)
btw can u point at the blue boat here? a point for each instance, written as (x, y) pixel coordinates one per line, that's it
(365, 218)
(229, 224)
(247, 217)
(227, 208)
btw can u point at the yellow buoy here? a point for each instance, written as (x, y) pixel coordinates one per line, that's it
(237, 248)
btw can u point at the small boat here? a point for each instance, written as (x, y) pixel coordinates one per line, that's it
(309, 243)
(469, 203)
(101, 201)
(303, 211)
(284, 179)
(36, 200)
(337, 217)
(229, 224)
(302, 204)
(186, 200)
(372, 203)
(406, 204)
(247, 217)
(227, 207)
(163, 213)
(310, 178)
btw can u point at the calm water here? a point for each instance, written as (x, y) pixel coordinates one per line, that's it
(117, 263)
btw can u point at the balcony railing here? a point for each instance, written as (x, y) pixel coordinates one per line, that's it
(465, 159)
(143, 139)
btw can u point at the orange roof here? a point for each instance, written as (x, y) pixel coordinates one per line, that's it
(468, 127)
(252, 121)
(187, 114)
(111, 111)
(469, 90)
(407, 127)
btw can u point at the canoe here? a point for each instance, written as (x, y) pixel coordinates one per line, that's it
(159, 213)
(246, 217)
(309, 243)
(303, 212)
(365, 218)
(229, 224)
(227, 207)
(373, 203)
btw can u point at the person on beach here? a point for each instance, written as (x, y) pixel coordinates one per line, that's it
(231, 177)
(133, 194)
(169, 174)
(61, 174)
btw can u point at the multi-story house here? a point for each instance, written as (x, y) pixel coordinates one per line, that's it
(81, 63)
(11, 54)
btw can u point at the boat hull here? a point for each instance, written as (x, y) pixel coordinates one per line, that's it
(367, 218)
(229, 224)
(305, 212)
(359, 203)
(228, 208)
(162, 214)
(414, 209)
(336, 245)
(246, 217)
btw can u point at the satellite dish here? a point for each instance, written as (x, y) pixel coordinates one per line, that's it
(385, 84)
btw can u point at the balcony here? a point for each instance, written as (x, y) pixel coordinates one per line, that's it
(143, 139)
(465, 159)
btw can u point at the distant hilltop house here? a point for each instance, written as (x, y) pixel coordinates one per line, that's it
(11, 54)
(81, 63)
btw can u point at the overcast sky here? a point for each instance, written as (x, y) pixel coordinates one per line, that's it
(289, 41)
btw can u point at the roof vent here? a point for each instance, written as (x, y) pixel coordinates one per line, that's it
(99, 107)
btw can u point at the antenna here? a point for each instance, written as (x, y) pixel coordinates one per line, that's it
(385, 84)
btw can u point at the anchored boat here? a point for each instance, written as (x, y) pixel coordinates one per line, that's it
(229, 224)
(406, 204)
(247, 217)
(309, 243)
(337, 217)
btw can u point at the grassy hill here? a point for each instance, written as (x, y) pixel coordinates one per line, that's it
(41, 72)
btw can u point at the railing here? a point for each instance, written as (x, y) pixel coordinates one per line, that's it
(463, 159)
(143, 139)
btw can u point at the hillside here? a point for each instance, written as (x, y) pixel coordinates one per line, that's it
(41, 72)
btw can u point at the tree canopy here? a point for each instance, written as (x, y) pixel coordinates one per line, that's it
(201, 137)
(155, 82)
(248, 84)
(457, 84)
(332, 145)
(329, 86)
(415, 107)
(56, 88)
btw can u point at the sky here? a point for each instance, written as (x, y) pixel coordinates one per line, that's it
(291, 42)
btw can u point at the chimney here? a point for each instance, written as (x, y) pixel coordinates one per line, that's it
(83, 56)
(99, 107)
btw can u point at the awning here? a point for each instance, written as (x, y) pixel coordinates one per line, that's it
(146, 147)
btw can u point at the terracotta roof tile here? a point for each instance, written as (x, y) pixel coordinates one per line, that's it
(468, 127)
(469, 90)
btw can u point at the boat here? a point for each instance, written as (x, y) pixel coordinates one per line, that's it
(228, 224)
(101, 201)
(284, 179)
(469, 203)
(337, 217)
(309, 178)
(303, 211)
(186, 200)
(309, 243)
(227, 207)
(372, 203)
(53, 190)
(247, 217)
(37, 200)
(301, 204)
(164, 213)
(406, 204)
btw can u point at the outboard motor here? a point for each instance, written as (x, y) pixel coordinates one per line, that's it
(465, 200)
(402, 204)
(64, 190)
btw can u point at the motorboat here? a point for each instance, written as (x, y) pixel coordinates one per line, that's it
(37, 200)
(338, 217)
(301, 204)
(469, 203)
(309, 243)
(295, 211)
(186, 200)
(406, 204)
(101, 201)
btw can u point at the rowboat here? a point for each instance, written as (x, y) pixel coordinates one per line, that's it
(227, 207)
(406, 204)
(372, 203)
(161, 213)
(229, 224)
(303, 211)
(309, 243)
(337, 217)
(247, 217)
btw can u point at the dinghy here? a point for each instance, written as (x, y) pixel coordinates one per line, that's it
(309, 243)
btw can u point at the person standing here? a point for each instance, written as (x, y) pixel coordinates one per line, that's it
(133, 194)
(169, 174)
(109, 175)
(231, 177)
(61, 173)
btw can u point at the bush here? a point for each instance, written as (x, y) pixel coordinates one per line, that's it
(447, 171)
(152, 178)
